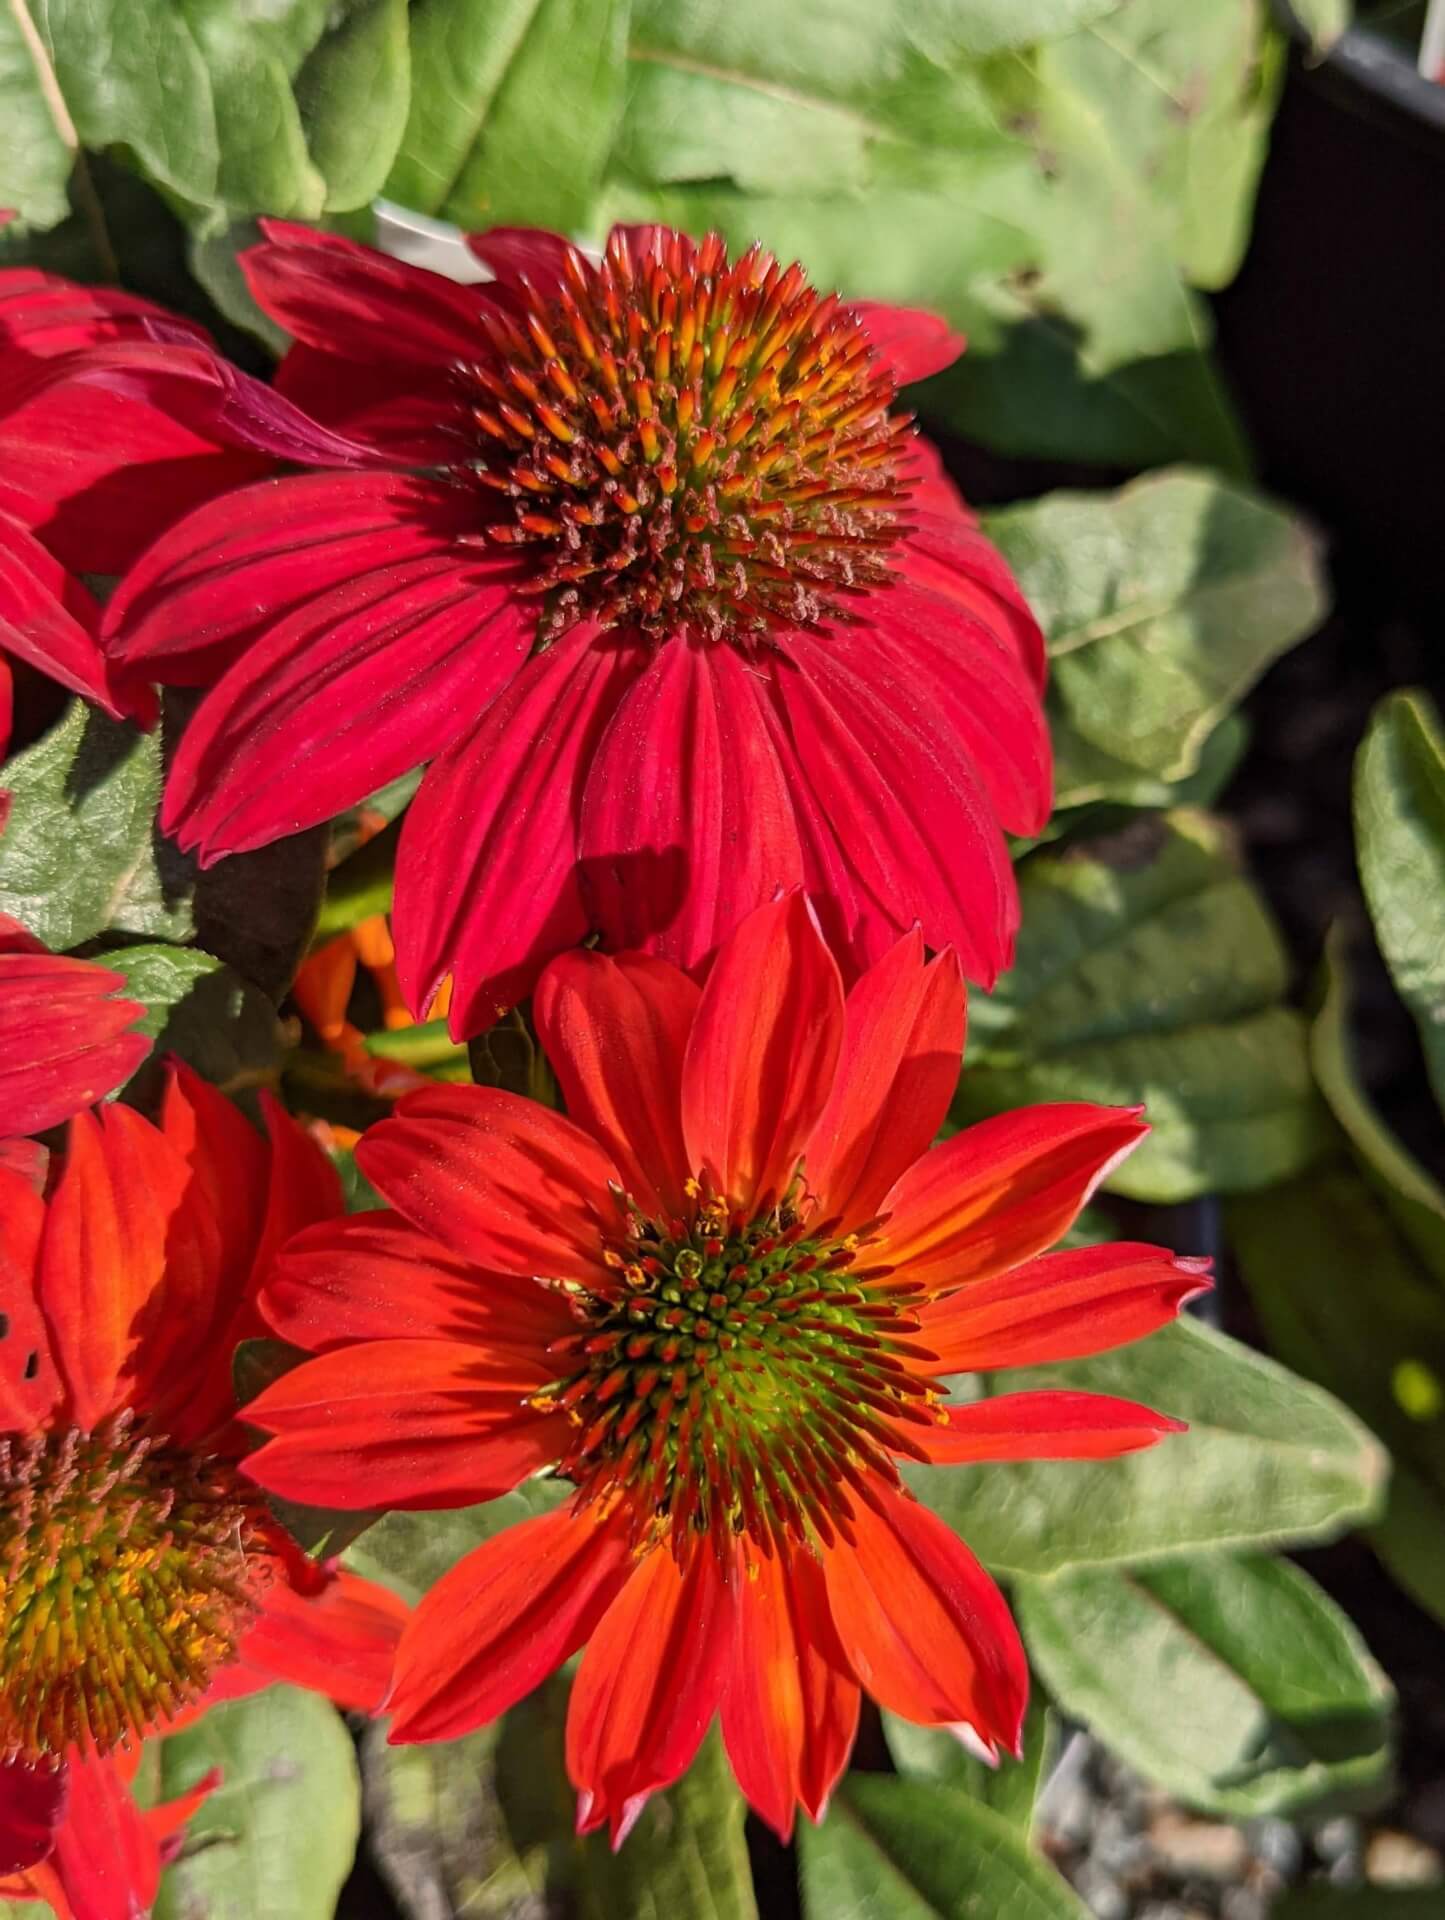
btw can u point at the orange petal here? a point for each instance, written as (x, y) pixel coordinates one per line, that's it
(1002, 1190)
(1060, 1306)
(615, 1032)
(924, 1627)
(648, 1687)
(1044, 1426)
(896, 1076)
(790, 1710)
(762, 1055)
(503, 1182)
(501, 1620)
(401, 1423)
(128, 1265)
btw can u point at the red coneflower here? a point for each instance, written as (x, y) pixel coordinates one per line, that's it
(717, 1300)
(642, 561)
(141, 1576)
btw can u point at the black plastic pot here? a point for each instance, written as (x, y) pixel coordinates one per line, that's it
(1333, 335)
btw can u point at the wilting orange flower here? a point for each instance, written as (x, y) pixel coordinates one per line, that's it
(142, 1577)
(717, 1301)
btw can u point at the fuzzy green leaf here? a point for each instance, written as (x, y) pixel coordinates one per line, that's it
(1162, 605)
(277, 1837)
(1268, 1459)
(514, 108)
(200, 1010)
(1400, 830)
(1010, 1788)
(1148, 970)
(1342, 1296)
(81, 855)
(915, 1850)
(1285, 1708)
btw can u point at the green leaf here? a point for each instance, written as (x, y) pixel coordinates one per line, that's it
(914, 1850)
(213, 259)
(252, 50)
(278, 1836)
(776, 100)
(1400, 830)
(353, 95)
(514, 108)
(81, 854)
(130, 74)
(440, 1835)
(1180, 99)
(1162, 604)
(1269, 1459)
(1285, 1708)
(410, 1552)
(1341, 1295)
(1407, 1190)
(202, 1011)
(39, 145)
(686, 1855)
(1148, 969)
(933, 1753)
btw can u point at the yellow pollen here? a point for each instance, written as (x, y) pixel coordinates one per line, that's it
(128, 1572)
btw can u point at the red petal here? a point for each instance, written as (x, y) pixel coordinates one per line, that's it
(616, 1032)
(762, 1055)
(33, 1802)
(1061, 1306)
(402, 1423)
(106, 1859)
(375, 1277)
(42, 315)
(925, 1630)
(345, 298)
(504, 1182)
(790, 1711)
(984, 695)
(49, 620)
(128, 1264)
(340, 1642)
(901, 796)
(504, 803)
(687, 824)
(859, 927)
(946, 551)
(1044, 1426)
(501, 1620)
(648, 1687)
(30, 1380)
(99, 474)
(1002, 1190)
(64, 1042)
(896, 1076)
(224, 577)
(530, 255)
(910, 342)
(348, 693)
(404, 411)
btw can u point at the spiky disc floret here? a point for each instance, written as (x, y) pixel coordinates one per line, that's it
(747, 1377)
(128, 1572)
(686, 441)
